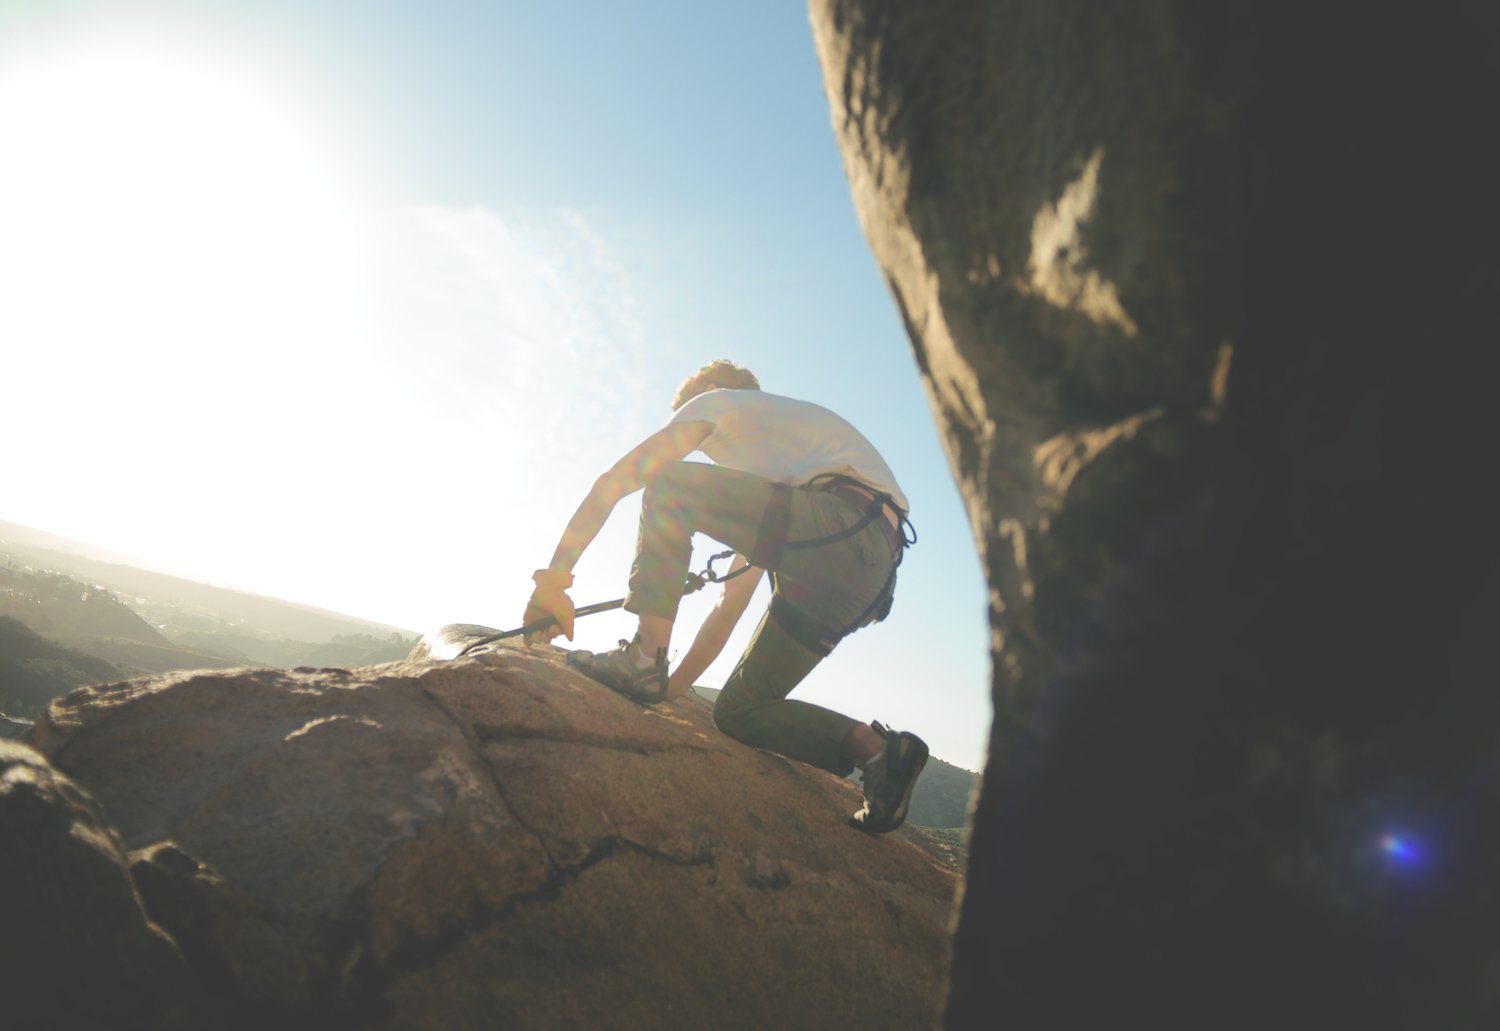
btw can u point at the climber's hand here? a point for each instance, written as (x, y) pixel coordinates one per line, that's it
(549, 599)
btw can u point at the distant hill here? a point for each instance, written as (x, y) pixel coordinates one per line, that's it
(135, 658)
(33, 670)
(53, 603)
(76, 618)
(176, 606)
(940, 799)
(343, 650)
(85, 618)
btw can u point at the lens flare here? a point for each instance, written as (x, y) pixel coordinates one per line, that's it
(1400, 849)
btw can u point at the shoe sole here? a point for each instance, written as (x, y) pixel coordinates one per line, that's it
(917, 757)
(919, 763)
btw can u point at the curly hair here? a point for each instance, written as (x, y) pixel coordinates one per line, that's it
(721, 374)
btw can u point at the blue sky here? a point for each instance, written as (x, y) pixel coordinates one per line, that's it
(349, 302)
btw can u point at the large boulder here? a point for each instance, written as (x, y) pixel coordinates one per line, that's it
(1202, 296)
(78, 950)
(498, 841)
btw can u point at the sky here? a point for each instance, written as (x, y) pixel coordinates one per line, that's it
(348, 303)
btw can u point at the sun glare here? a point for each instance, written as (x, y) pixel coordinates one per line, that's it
(173, 246)
(158, 210)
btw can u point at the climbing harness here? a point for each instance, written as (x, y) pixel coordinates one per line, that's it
(770, 545)
(802, 628)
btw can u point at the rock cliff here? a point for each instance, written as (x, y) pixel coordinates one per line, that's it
(1201, 295)
(490, 842)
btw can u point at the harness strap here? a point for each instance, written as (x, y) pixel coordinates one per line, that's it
(811, 633)
(871, 514)
(775, 523)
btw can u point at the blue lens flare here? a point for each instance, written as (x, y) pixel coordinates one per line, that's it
(1400, 849)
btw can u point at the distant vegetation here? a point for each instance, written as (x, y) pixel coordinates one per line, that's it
(952, 841)
(33, 670)
(941, 797)
(53, 603)
(69, 620)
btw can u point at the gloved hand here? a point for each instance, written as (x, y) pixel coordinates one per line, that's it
(549, 599)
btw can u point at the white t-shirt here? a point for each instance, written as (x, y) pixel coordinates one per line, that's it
(785, 440)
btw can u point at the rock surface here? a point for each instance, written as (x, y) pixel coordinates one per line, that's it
(77, 950)
(495, 842)
(1198, 293)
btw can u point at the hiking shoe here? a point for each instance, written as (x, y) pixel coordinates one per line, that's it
(618, 671)
(888, 780)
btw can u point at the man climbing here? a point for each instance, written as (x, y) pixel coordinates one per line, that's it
(796, 490)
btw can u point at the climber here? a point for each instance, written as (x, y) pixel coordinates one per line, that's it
(795, 490)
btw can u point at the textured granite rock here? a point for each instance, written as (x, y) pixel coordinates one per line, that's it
(1202, 295)
(498, 841)
(77, 950)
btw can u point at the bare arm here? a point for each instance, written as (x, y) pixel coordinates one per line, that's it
(715, 629)
(670, 444)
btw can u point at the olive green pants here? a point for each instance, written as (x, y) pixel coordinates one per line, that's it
(832, 584)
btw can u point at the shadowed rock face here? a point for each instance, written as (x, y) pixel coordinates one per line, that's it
(78, 949)
(496, 842)
(1201, 295)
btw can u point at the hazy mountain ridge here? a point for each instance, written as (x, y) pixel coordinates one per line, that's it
(177, 605)
(343, 650)
(34, 670)
(73, 618)
(55, 604)
(90, 619)
(58, 633)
